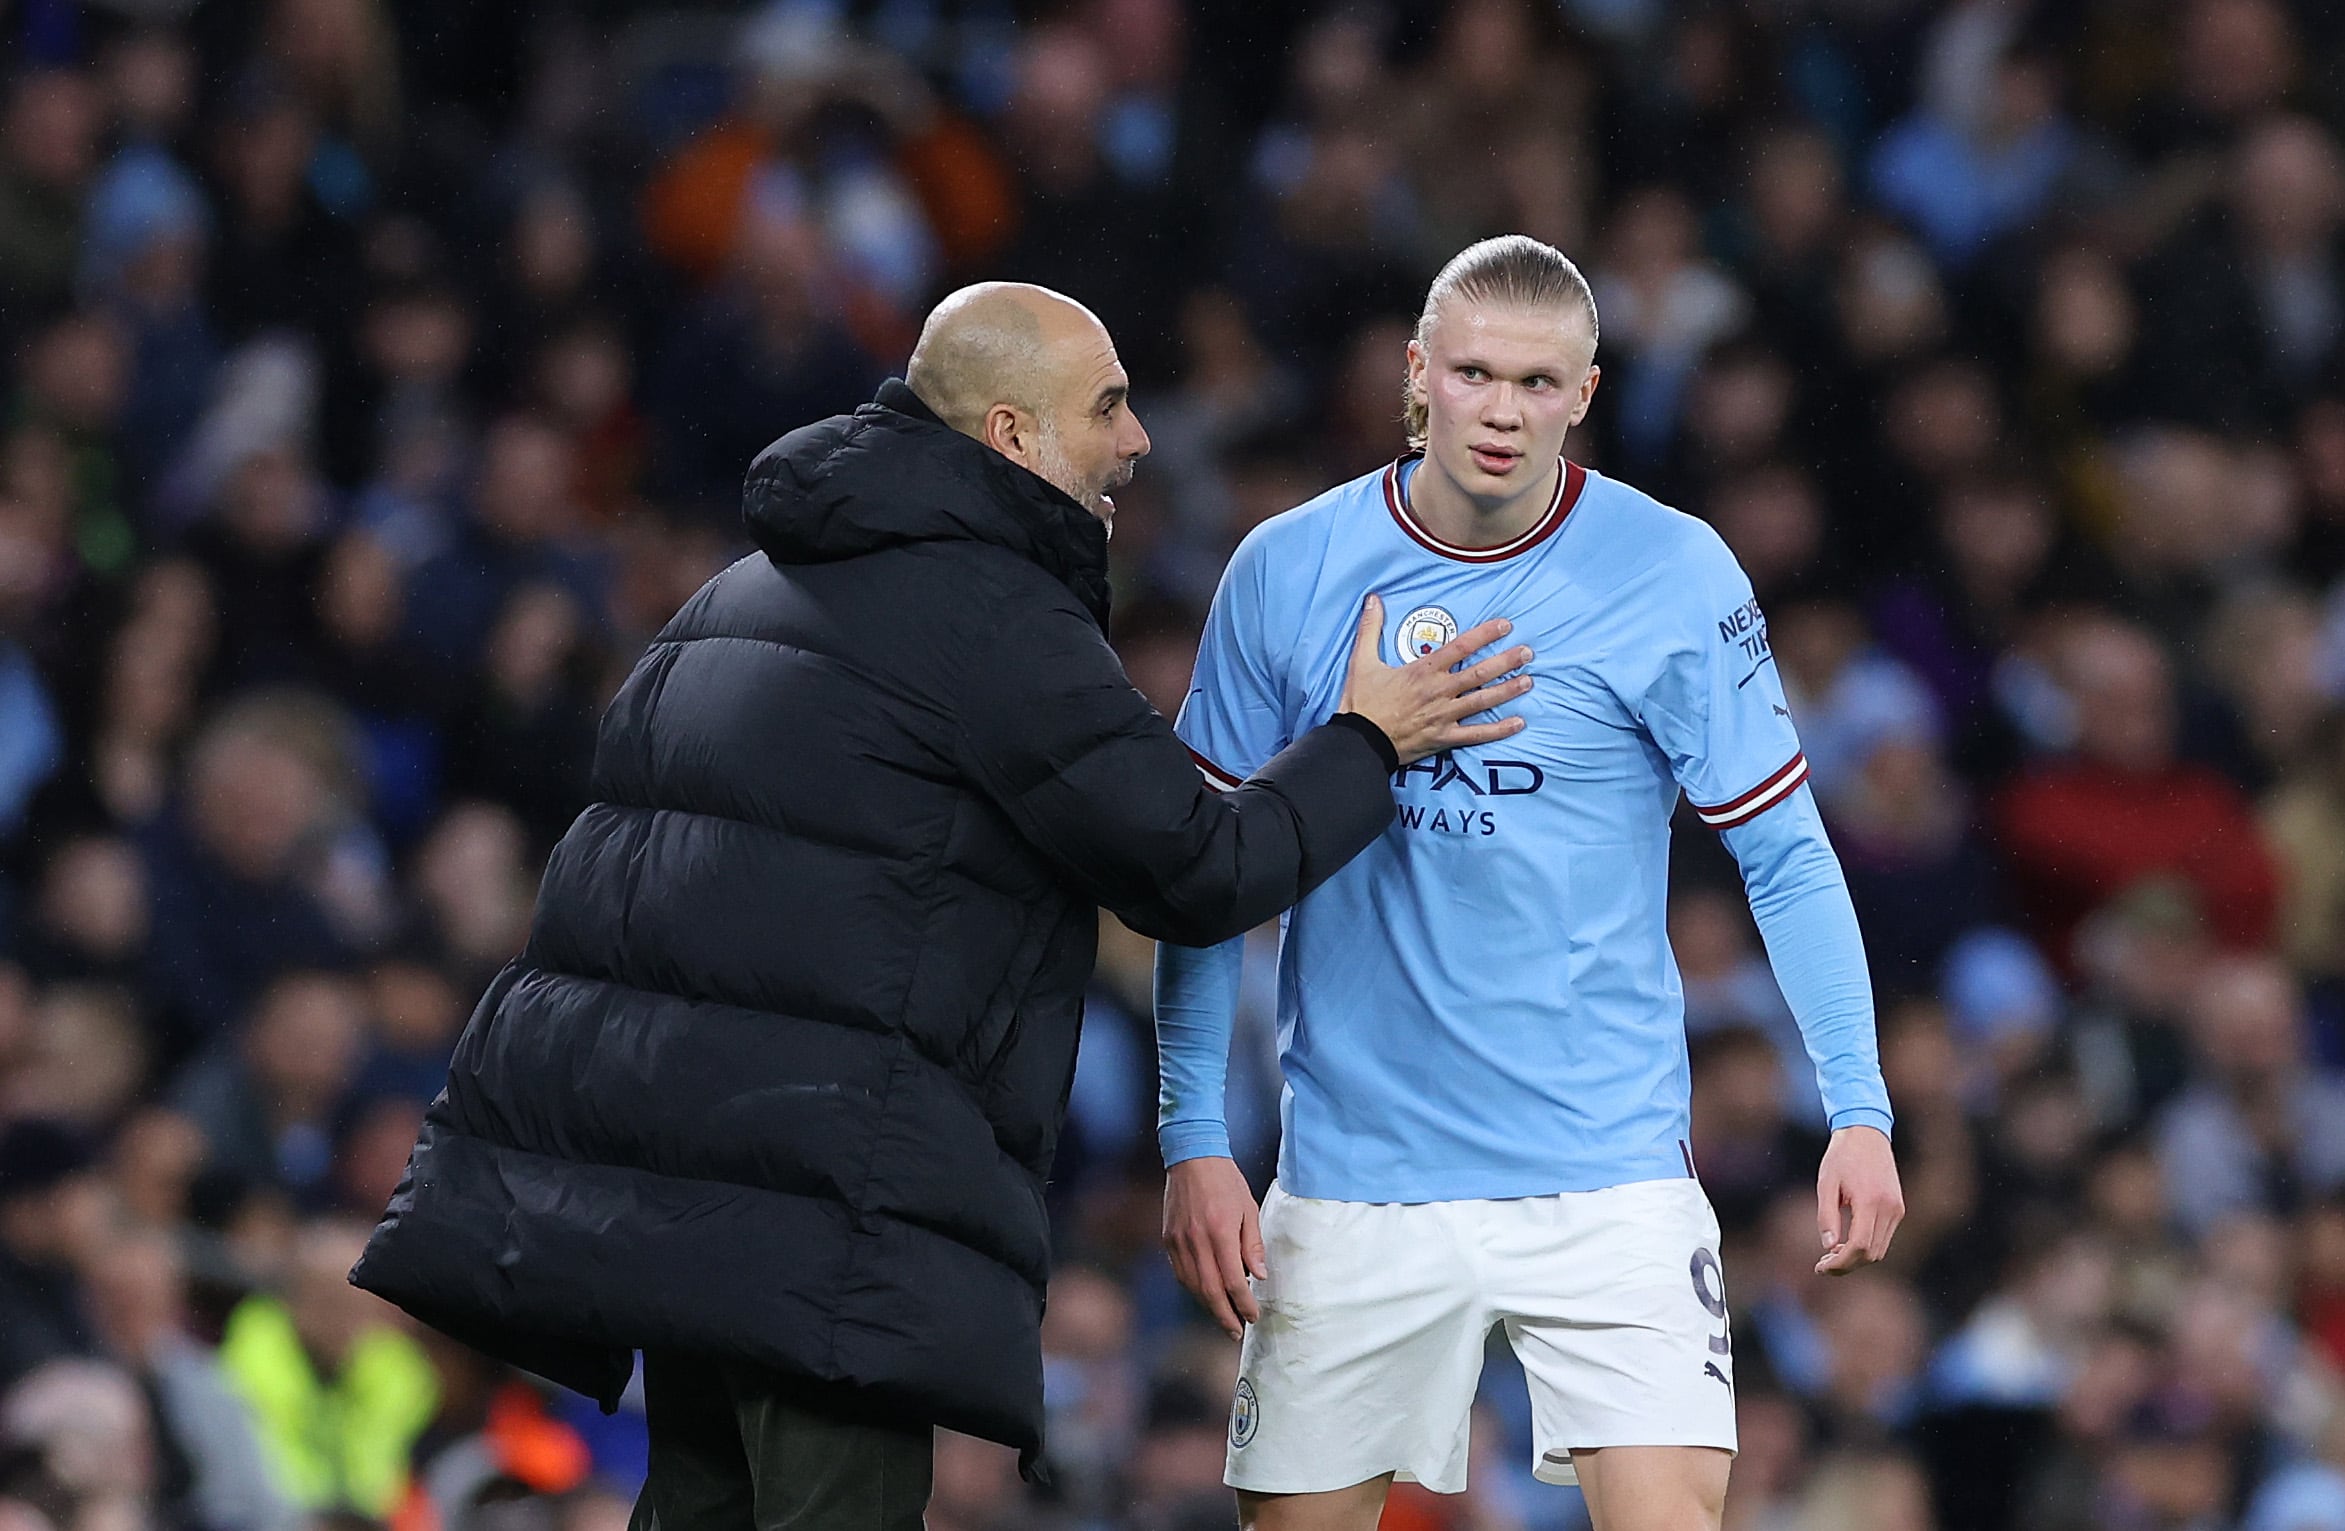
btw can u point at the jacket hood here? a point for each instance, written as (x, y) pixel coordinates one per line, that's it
(892, 474)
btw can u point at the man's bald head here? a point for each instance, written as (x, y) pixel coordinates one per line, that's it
(1032, 374)
(991, 344)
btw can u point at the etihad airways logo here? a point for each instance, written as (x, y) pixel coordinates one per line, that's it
(1461, 780)
(1481, 778)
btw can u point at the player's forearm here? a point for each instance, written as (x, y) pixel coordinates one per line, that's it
(1800, 900)
(1196, 1010)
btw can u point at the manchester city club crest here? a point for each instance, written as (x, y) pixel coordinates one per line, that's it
(1244, 1414)
(1424, 630)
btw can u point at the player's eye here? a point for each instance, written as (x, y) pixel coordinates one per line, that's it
(1538, 380)
(1472, 374)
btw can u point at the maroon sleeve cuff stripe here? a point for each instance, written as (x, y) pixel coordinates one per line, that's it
(1778, 786)
(1215, 777)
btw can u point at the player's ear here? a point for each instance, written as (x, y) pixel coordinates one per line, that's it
(1587, 393)
(1417, 373)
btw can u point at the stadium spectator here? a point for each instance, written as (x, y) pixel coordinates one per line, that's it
(338, 1391)
(1967, 171)
(53, 121)
(2082, 830)
(523, 529)
(2257, 1130)
(227, 874)
(81, 1448)
(266, 1098)
(138, 1301)
(52, 1211)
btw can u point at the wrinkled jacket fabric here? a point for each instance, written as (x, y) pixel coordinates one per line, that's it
(780, 1071)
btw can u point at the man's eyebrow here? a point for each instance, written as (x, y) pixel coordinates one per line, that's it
(1529, 369)
(1113, 393)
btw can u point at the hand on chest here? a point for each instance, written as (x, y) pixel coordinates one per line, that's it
(1577, 730)
(1422, 616)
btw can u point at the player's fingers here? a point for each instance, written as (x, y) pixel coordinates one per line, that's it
(1250, 1240)
(1184, 1269)
(1229, 1267)
(1881, 1222)
(1215, 1295)
(1467, 644)
(1364, 645)
(1839, 1262)
(1207, 1288)
(1176, 1249)
(1829, 1223)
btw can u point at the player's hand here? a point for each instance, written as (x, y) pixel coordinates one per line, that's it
(1213, 1232)
(1858, 1203)
(1419, 704)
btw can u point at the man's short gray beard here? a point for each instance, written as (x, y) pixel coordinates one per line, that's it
(1057, 471)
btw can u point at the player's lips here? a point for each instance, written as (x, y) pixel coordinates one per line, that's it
(1497, 460)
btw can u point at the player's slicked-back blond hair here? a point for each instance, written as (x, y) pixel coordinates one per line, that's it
(1513, 269)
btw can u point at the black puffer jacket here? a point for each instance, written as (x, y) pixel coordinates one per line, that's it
(780, 1072)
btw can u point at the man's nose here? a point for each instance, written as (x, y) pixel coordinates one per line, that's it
(1135, 442)
(1502, 409)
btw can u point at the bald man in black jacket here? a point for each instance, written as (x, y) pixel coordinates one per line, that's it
(773, 1090)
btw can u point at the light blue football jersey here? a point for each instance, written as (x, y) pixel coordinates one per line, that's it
(1483, 1003)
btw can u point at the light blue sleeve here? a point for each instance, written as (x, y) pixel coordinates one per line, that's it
(1800, 900)
(1716, 708)
(1715, 704)
(1233, 721)
(1196, 1010)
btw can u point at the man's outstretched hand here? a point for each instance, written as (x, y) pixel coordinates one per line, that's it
(1419, 705)
(1213, 1232)
(1858, 1203)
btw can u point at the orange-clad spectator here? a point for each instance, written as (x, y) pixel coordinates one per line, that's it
(692, 210)
(2120, 807)
(847, 137)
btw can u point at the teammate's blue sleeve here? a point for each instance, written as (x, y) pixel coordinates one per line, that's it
(1800, 900)
(1715, 706)
(1196, 1009)
(1233, 721)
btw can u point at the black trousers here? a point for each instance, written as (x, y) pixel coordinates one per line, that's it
(738, 1448)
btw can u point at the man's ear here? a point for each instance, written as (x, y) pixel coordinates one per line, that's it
(1417, 374)
(1587, 393)
(1009, 430)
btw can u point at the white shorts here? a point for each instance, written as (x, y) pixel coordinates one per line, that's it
(1375, 1316)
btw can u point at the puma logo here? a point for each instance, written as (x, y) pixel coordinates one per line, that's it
(1782, 711)
(1710, 1369)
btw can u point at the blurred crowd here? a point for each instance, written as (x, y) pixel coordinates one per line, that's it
(379, 376)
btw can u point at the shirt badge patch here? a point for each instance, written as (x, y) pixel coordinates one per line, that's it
(1424, 630)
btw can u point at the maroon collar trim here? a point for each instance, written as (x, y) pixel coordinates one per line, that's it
(1568, 485)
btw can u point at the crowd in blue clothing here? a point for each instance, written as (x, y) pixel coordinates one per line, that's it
(380, 377)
